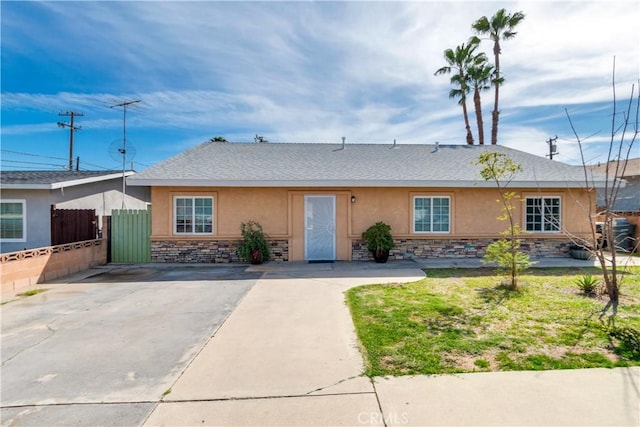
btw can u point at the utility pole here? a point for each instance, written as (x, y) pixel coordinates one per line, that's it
(552, 147)
(72, 129)
(123, 150)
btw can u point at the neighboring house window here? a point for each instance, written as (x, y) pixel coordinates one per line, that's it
(193, 215)
(543, 214)
(431, 214)
(13, 221)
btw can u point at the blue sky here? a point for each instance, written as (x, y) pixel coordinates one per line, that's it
(299, 72)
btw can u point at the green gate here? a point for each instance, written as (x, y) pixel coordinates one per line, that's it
(130, 235)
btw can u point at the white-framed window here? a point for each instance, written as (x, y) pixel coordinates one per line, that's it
(193, 215)
(13, 220)
(543, 214)
(431, 214)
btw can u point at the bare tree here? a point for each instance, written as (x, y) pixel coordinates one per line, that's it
(623, 136)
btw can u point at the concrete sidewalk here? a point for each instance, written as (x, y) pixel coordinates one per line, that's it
(288, 355)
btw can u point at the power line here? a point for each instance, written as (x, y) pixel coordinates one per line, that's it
(32, 155)
(46, 157)
(37, 168)
(95, 166)
(32, 163)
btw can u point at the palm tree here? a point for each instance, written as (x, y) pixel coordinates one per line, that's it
(499, 27)
(460, 60)
(481, 78)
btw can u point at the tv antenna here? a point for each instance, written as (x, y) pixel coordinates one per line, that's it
(123, 149)
(118, 152)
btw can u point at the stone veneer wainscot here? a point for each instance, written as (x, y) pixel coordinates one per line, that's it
(224, 251)
(459, 248)
(209, 251)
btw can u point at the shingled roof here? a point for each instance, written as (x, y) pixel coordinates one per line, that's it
(631, 169)
(336, 165)
(49, 180)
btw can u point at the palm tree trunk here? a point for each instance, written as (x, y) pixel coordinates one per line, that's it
(466, 122)
(494, 117)
(476, 102)
(494, 114)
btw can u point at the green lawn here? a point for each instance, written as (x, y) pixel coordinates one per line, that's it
(463, 320)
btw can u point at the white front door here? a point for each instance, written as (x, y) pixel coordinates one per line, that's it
(319, 228)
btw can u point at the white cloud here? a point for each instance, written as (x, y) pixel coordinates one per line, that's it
(313, 72)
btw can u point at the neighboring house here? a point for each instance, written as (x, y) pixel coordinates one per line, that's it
(315, 200)
(626, 208)
(27, 197)
(628, 199)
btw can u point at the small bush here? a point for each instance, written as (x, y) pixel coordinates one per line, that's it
(588, 284)
(378, 237)
(253, 247)
(509, 258)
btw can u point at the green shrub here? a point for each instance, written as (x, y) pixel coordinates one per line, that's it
(378, 237)
(253, 247)
(506, 254)
(588, 284)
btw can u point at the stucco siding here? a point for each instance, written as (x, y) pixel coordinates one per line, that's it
(38, 212)
(101, 196)
(231, 207)
(473, 213)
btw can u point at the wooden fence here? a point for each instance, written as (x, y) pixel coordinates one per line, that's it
(130, 236)
(73, 225)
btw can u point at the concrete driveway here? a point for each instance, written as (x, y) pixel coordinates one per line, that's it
(287, 355)
(104, 349)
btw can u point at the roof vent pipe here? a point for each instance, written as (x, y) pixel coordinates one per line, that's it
(394, 143)
(437, 145)
(342, 146)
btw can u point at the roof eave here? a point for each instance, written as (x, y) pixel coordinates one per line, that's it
(90, 180)
(65, 184)
(345, 183)
(26, 186)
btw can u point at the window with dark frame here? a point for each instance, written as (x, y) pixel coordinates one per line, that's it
(543, 214)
